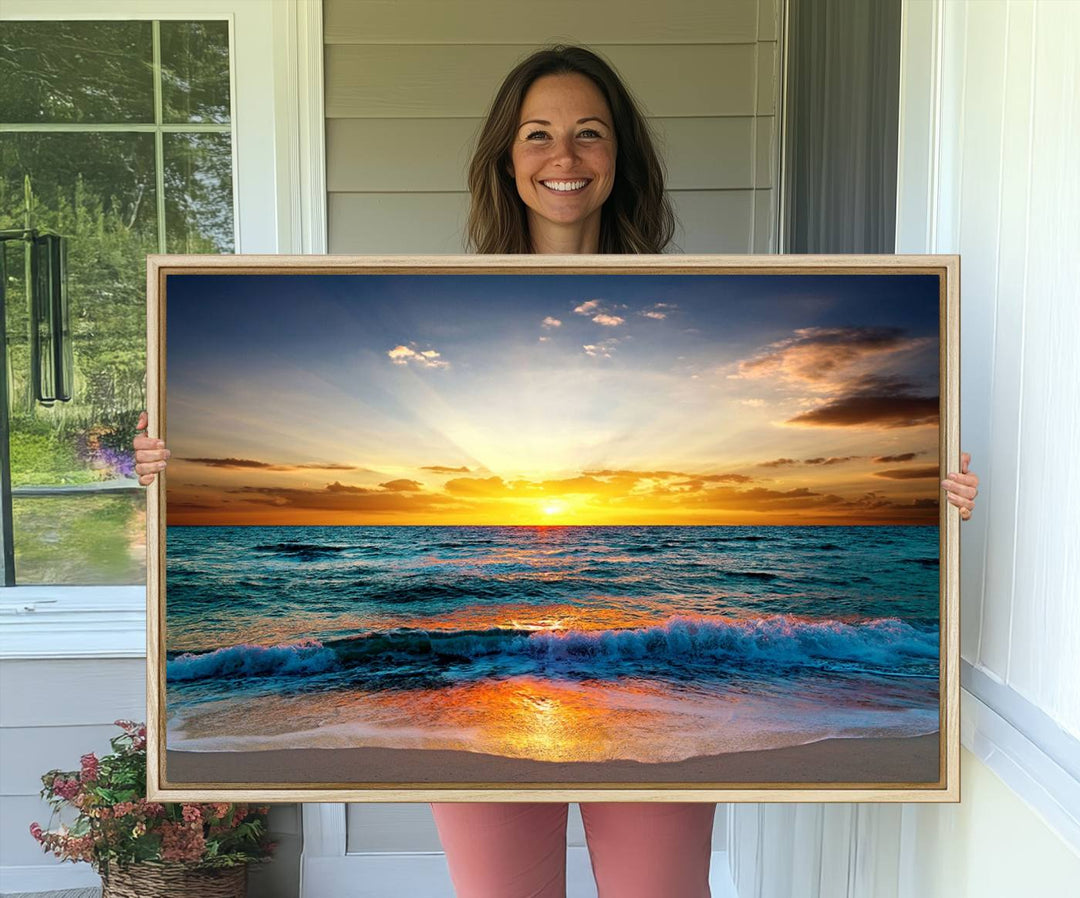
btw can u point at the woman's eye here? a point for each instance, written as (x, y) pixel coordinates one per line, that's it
(589, 132)
(533, 135)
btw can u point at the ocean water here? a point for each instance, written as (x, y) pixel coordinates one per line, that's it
(553, 643)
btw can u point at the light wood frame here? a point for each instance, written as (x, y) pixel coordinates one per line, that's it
(946, 267)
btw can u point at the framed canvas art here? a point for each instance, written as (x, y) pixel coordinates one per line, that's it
(575, 528)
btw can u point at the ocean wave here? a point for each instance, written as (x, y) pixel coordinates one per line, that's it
(237, 661)
(703, 645)
(303, 550)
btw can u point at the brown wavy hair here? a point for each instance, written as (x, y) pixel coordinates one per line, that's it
(637, 216)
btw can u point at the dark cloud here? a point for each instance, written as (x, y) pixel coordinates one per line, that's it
(832, 460)
(340, 497)
(894, 459)
(868, 409)
(930, 472)
(874, 401)
(402, 485)
(251, 463)
(327, 467)
(235, 463)
(778, 463)
(442, 469)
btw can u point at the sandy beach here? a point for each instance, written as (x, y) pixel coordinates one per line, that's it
(911, 760)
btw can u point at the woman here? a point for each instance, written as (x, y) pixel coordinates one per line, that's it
(565, 164)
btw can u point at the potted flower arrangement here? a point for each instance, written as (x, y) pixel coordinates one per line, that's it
(142, 847)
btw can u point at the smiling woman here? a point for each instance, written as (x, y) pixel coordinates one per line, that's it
(562, 117)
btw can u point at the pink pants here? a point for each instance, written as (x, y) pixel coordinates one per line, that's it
(518, 850)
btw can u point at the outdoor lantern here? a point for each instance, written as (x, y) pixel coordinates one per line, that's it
(50, 332)
(51, 360)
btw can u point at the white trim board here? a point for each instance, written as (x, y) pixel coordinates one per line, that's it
(1048, 788)
(73, 622)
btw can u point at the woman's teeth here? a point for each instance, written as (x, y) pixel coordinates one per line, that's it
(564, 186)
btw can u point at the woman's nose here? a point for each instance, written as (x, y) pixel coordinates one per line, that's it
(564, 150)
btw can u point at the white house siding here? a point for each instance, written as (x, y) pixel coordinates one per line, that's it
(408, 83)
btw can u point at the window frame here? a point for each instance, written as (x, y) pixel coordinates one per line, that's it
(276, 94)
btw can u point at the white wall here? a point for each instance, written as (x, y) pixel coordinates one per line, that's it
(989, 168)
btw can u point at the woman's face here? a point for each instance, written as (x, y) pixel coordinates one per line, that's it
(563, 154)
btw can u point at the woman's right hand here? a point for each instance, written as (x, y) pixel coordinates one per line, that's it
(150, 454)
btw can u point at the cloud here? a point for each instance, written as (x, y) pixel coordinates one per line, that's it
(428, 358)
(753, 403)
(595, 310)
(832, 460)
(234, 463)
(338, 487)
(826, 357)
(442, 469)
(252, 464)
(341, 497)
(778, 463)
(402, 485)
(551, 322)
(658, 311)
(894, 459)
(605, 349)
(875, 402)
(477, 486)
(930, 472)
(813, 462)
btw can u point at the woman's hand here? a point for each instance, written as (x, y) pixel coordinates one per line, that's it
(150, 454)
(962, 488)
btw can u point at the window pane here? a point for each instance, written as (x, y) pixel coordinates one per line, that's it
(198, 193)
(76, 72)
(98, 191)
(195, 71)
(83, 540)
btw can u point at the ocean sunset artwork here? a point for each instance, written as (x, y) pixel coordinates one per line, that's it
(469, 528)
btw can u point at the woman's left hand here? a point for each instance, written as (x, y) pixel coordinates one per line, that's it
(961, 488)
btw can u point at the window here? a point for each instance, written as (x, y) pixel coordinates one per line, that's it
(118, 136)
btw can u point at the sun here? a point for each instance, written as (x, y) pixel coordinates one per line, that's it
(554, 507)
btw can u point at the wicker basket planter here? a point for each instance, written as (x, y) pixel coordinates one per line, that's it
(161, 880)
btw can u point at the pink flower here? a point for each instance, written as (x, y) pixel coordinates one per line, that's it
(123, 808)
(192, 813)
(181, 842)
(150, 808)
(89, 767)
(36, 831)
(65, 788)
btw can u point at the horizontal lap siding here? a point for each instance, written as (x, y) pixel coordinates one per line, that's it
(408, 84)
(51, 713)
(524, 22)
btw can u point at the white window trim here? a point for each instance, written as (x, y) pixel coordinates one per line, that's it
(280, 207)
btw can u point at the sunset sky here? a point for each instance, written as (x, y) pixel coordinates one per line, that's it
(552, 399)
